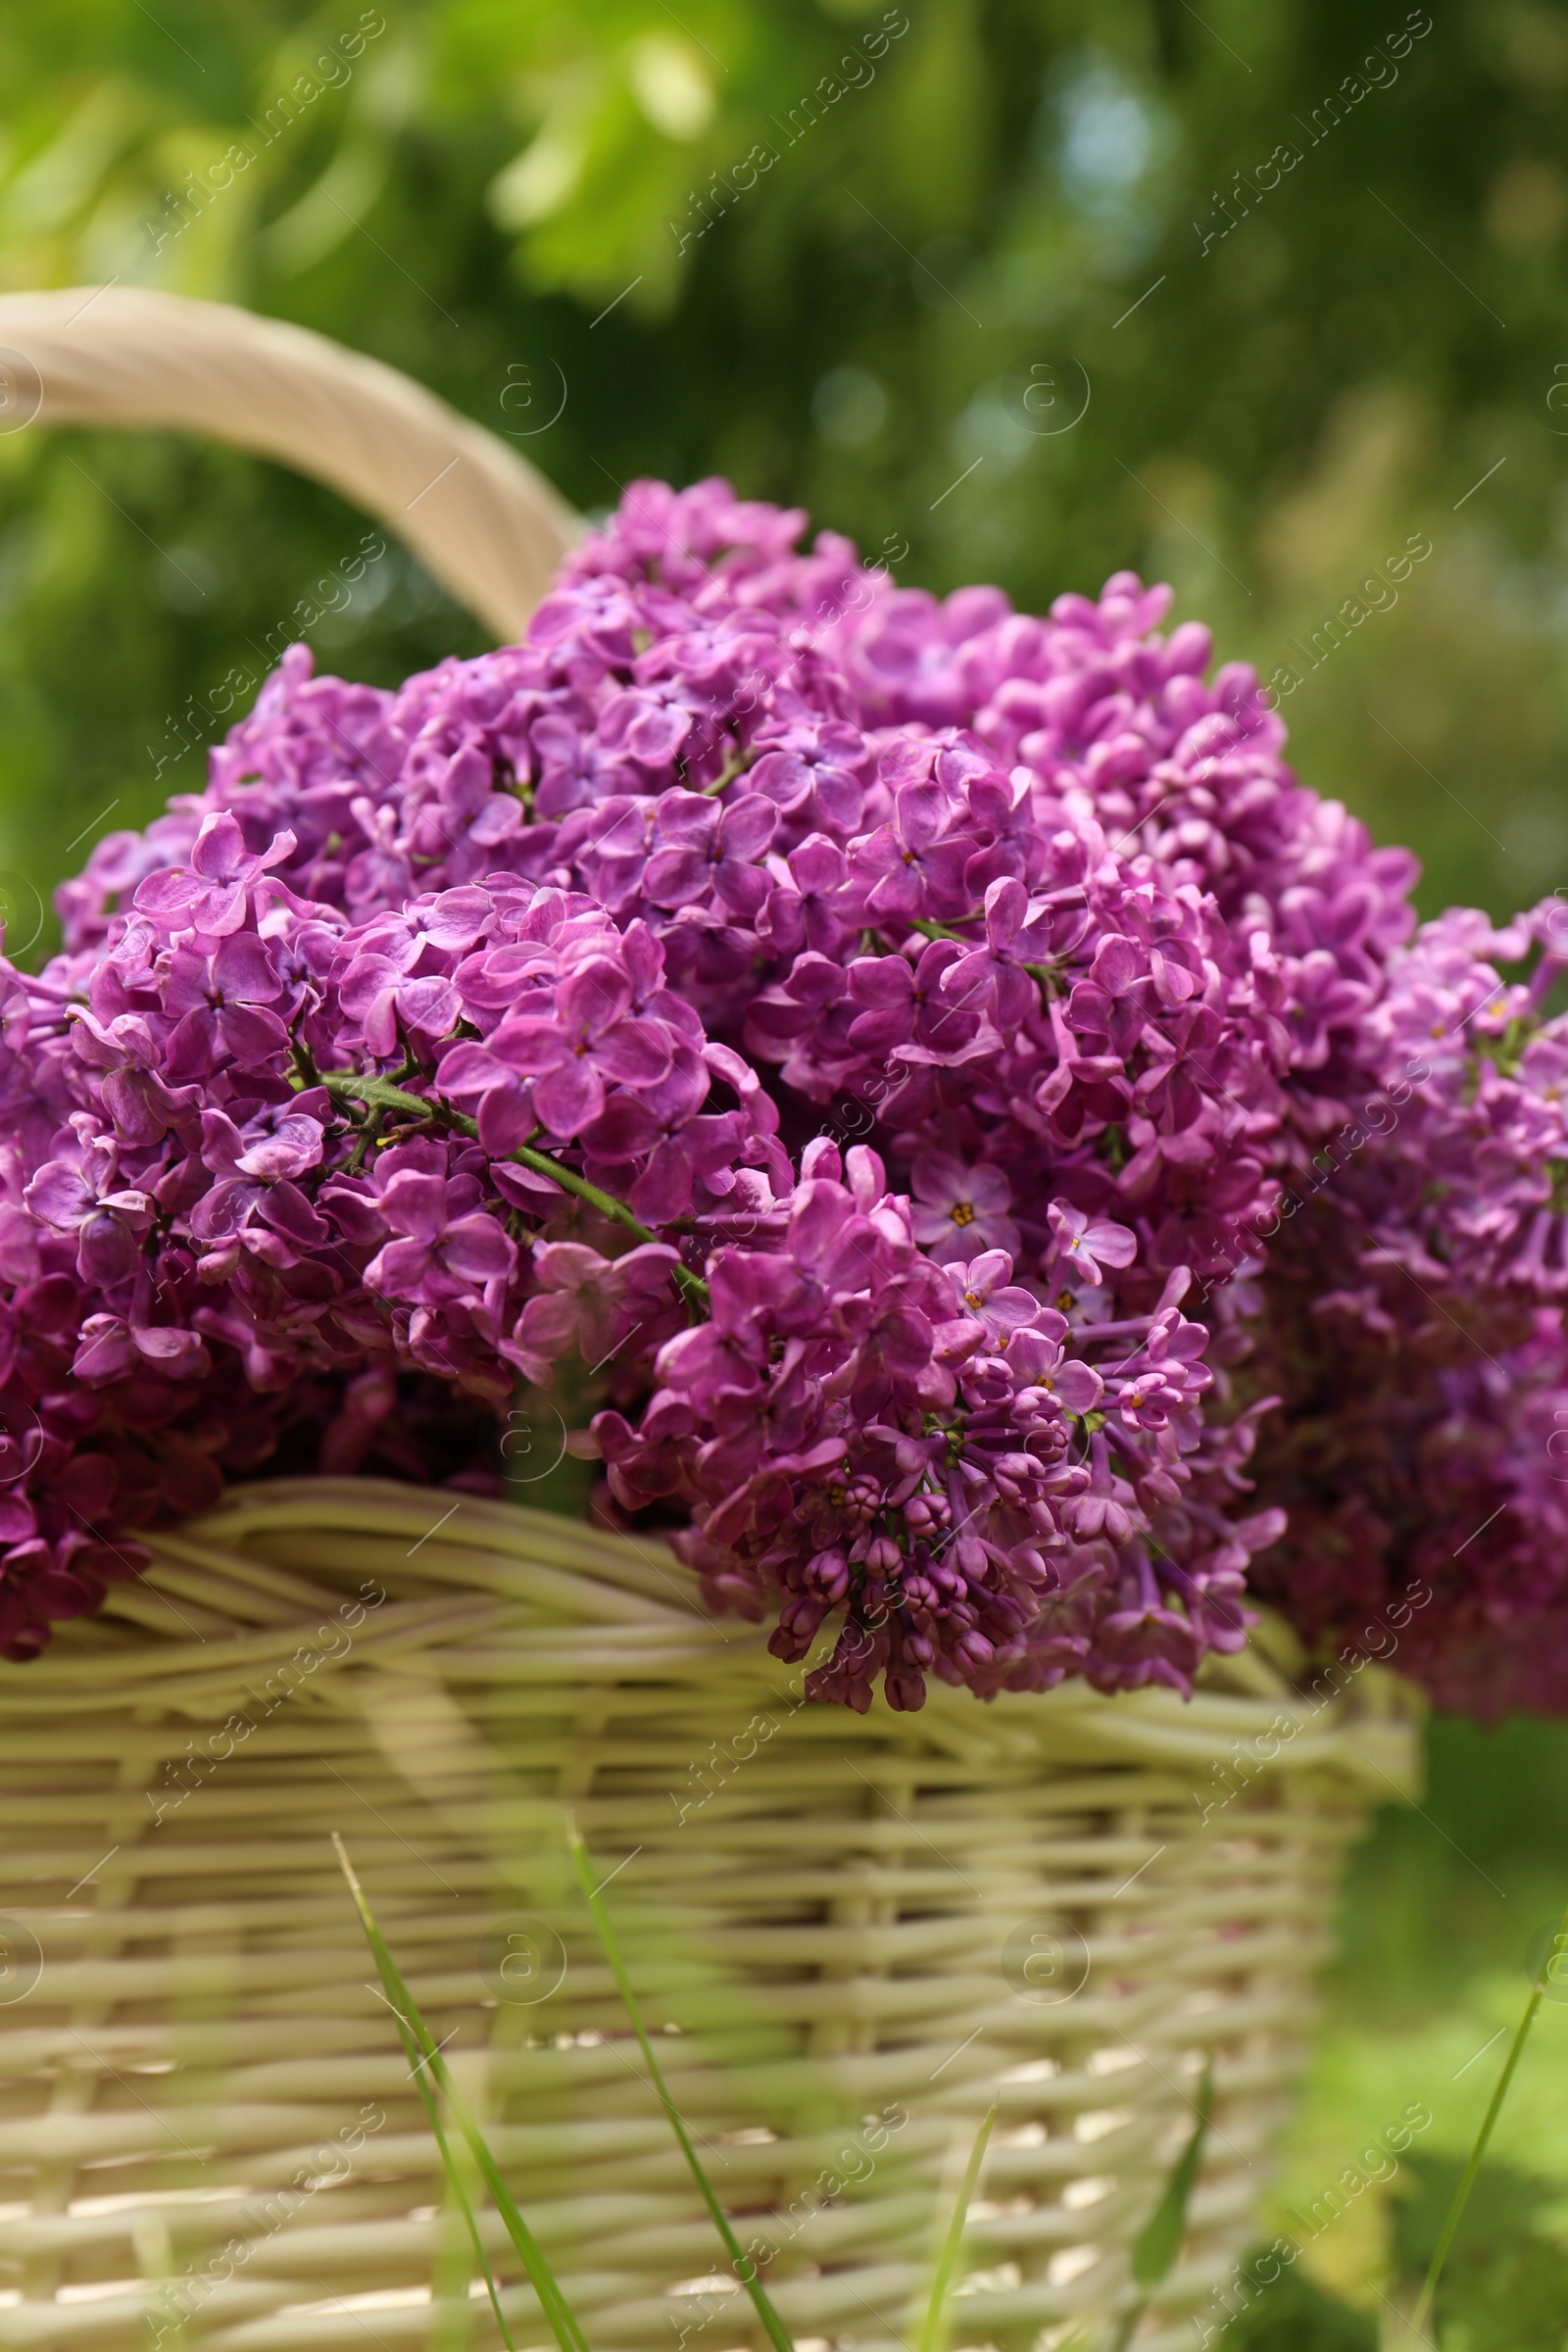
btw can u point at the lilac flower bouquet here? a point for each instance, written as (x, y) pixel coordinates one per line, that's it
(1413, 1326)
(866, 1039)
(1398, 1310)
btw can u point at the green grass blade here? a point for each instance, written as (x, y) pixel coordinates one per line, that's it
(563, 2322)
(932, 2330)
(449, 2165)
(418, 2075)
(1461, 2195)
(745, 2268)
(1159, 2241)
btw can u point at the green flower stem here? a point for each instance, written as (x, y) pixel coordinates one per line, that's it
(733, 768)
(1461, 2195)
(379, 1094)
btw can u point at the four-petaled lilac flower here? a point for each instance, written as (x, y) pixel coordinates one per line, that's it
(78, 1192)
(447, 1245)
(1087, 1246)
(957, 1208)
(914, 859)
(211, 894)
(575, 769)
(129, 1056)
(906, 1009)
(282, 1138)
(996, 976)
(593, 1306)
(590, 1040)
(650, 723)
(984, 1289)
(703, 848)
(812, 906)
(389, 1007)
(449, 921)
(1112, 1002)
(223, 1000)
(815, 771)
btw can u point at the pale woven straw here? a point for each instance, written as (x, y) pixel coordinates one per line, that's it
(855, 1932)
(487, 524)
(851, 1922)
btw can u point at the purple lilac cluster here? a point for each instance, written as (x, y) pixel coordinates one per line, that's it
(1413, 1325)
(1410, 1315)
(453, 1032)
(848, 1021)
(872, 908)
(1119, 726)
(432, 1137)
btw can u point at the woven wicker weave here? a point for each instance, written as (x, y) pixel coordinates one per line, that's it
(855, 1931)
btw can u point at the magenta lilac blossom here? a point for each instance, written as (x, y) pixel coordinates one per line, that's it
(474, 1134)
(875, 1040)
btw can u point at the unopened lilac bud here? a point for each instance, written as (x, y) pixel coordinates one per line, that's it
(826, 1576)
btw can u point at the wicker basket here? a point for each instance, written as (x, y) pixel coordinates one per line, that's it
(856, 1932)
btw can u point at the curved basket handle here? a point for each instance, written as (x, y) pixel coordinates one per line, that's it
(487, 524)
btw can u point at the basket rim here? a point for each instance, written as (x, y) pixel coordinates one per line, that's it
(590, 1606)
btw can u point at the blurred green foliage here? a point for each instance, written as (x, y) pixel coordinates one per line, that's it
(1507, 2282)
(872, 260)
(1442, 1915)
(853, 253)
(1291, 2314)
